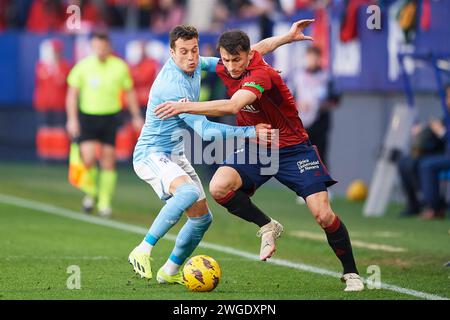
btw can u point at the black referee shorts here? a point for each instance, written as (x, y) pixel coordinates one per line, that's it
(102, 128)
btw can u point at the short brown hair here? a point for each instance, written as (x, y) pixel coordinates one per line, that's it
(234, 41)
(100, 34)
(185, 32)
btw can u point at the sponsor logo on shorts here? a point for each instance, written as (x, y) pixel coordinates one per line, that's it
(306, 165)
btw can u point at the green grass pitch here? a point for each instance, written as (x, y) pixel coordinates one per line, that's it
(37, 247)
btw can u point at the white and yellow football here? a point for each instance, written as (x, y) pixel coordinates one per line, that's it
(201, 273)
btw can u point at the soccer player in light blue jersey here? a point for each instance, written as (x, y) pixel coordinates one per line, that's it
(160, 161)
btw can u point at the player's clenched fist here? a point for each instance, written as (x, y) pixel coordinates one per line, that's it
(265, 133)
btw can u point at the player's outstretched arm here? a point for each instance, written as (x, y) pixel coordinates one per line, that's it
(268, 45)
(210, 130)
(214, 108)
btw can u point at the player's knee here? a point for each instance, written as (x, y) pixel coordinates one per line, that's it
(324, 217)
(187, 194)
(89, 163)
(219, 188)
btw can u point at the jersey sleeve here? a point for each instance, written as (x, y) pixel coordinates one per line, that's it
(74, 79)
(257, 82)
(208, 63)
(209, 130)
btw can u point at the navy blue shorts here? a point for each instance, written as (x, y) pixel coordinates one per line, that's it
(299, 168)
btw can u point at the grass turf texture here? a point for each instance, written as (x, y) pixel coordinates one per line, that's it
(37, 247)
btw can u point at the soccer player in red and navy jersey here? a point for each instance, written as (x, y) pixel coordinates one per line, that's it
(259, 95)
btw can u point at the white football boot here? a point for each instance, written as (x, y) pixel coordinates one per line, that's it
(353, 282)
(269, 233)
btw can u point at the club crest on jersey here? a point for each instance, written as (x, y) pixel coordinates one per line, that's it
(250, 108)
(164, 160)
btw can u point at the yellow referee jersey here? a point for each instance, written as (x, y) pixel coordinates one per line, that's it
(100, 84)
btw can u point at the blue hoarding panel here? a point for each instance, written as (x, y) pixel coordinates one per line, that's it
(9, 65)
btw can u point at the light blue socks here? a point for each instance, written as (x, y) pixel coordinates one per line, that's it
(184, 197)
(189, 237)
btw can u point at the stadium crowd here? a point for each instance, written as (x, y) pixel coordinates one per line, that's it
(42, 16)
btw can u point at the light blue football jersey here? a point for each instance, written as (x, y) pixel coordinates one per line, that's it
(173, 84)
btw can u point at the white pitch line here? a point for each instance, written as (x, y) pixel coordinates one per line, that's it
(355, 243)
(8, 258)
(47, 208)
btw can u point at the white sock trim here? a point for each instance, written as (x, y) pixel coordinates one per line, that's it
(171, 268)
(145, 247)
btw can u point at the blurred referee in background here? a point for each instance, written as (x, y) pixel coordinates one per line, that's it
(95, 85)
